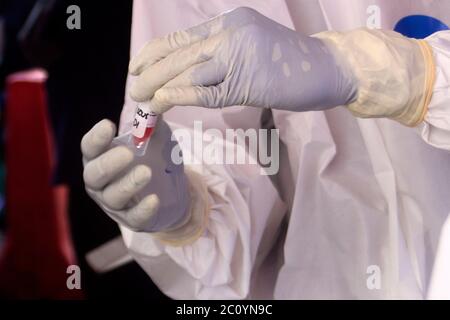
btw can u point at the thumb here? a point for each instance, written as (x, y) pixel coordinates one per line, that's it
(208, 97)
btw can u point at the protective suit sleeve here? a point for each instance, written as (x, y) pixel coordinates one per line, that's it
(435, 129)
(395, 74)
(219, 263)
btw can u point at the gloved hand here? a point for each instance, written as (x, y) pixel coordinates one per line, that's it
(148, 193)
(244, 58)
(240, 58)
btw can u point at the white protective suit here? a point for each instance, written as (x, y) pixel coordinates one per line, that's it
(354, 198)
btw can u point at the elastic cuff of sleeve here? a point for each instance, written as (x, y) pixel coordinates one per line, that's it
(395, 74)
(197, 218)
(430, 77)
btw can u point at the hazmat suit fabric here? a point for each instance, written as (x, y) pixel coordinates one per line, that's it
(357, 208)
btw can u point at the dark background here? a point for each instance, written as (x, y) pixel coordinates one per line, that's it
(87, 71)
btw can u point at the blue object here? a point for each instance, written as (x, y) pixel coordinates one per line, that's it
(419, 26)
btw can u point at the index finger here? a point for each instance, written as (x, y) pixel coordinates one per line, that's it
(159, 48)
(157, 75)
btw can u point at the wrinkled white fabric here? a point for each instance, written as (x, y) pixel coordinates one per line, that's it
(393, 73)
(244, 217)
(435, 129)
(440, 280)
(361, 193)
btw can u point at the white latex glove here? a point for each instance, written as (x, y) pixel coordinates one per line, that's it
(240, 58)
(148, 193)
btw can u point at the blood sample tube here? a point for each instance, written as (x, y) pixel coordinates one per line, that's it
(143, 125)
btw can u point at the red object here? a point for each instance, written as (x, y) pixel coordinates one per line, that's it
(139, 141)
(37, 249)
